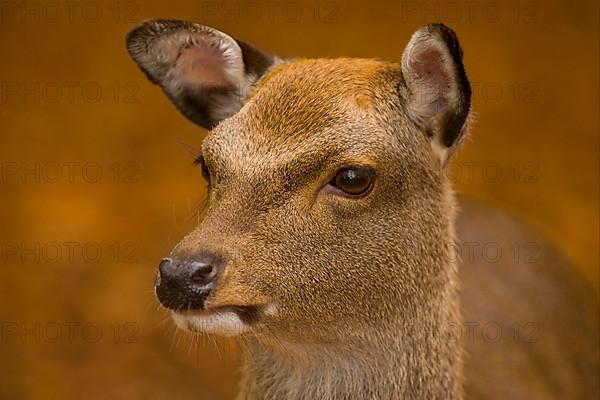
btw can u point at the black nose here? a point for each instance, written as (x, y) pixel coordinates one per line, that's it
(184, 285)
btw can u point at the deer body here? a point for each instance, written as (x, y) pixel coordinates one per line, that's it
(327, 244)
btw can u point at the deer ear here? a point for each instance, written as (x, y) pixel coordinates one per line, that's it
(439, 94)
(205, 72)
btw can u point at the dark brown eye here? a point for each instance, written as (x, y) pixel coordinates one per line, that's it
(354, 181)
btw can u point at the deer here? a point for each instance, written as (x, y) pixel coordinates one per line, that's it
(328, 246)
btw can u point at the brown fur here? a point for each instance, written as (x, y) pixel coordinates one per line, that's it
(353, 298)
(555, 353)
(286, 161)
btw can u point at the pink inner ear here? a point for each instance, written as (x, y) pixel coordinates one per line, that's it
(431, 77)
(429, 66)
(203, 64)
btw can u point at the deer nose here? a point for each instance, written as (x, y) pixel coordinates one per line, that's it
(185, 284)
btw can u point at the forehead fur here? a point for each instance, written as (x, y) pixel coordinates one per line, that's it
(313, 94)
(297, 99)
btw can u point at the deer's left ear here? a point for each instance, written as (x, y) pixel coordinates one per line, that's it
(205, 72)
(438, 91)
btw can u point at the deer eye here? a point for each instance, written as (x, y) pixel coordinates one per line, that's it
(355, 181)
(204, 167)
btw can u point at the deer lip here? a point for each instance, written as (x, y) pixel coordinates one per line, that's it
(225, 320)
(207, 311)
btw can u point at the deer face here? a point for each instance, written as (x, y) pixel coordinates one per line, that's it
(326, 208)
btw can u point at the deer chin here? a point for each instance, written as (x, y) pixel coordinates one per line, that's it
(227, 321)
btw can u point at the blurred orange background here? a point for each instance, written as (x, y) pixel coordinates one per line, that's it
(98, 183)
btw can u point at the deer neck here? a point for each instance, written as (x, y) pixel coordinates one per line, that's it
(419, 359)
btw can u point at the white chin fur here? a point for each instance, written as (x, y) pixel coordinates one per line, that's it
(219, 322)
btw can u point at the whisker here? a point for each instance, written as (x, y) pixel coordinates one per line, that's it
(191, 150)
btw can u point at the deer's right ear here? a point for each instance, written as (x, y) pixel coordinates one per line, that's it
(205, 72)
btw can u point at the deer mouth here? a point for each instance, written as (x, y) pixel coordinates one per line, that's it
(225, 321)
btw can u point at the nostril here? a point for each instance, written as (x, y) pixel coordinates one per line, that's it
(185, 284)
(203, 274)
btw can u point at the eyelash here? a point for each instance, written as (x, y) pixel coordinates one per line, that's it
(205, 171)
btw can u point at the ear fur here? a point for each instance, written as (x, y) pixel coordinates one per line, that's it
(205, 72)
(439, 93)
